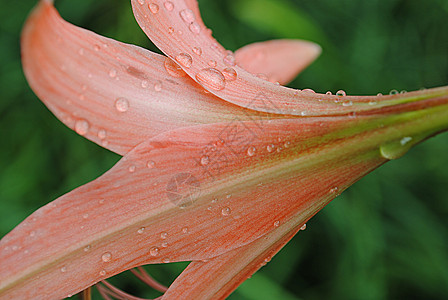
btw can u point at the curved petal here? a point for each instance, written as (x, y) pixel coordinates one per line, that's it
(228, 270)
(279, 60)
(115, 94)
(197, 193)
(180, 33)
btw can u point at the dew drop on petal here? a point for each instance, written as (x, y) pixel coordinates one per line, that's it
(308, 91)
(106, 257)
(205, 160)
(170, 30)
(166, 260)
(251, 151)
(87, 248)
(169, 5)
(96, 48)
(229, 74)
(102, 272)
(122, 104)
(150, 164)
(187, 15)
(229, 59)
(195, 28)
(164, 244)
(158, 86)
(163, 235)
(154, 8)
(226, 211)
(212, 63)
(131, 169)
(141, 2)
(64, 269)
(144, 84)
(154, 251)
(197, 51)
(82, 127)
(303, 227)
(211, 78)
(328, 93)
(347, 103)
(141, 230)
(393, 92)
(340, 93)
(112, 73)
(277, 223)
(270, 147)
(173, 69)
(185, 230)
(102, 134)
(184, 59)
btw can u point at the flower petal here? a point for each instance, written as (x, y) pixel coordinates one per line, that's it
(279, 60)
(115, 94)
(229, 270)
(190, 194)
(180, 32)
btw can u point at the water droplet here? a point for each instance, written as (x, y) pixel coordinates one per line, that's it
(334, 190)
(164, 244)
(131, 169)
(379, 94)
(82, 127)
(229, 74)
(87, 248)
(106, 257)
(308, 91)
(96, 48)
(211, 78)
(169, 5)
(122, 104)
(340, 93)
(328, 93)
(144, 84)
(163, 235)
(184, 59)
(64, 269)
(347, 103)
(141, 230)
(154, 8)
(154, 251)
(158, 86)
(277, 223)
(270, 147)
(226, 211)
(372, 102)
(150, 164)
(187, 15)
(195, 28)
(229, 59)
(32, 233)
(102, 272)
(396, 149)
(85, 216)
(303, 227)
(212, 63)
(166, 260)
(112, 73)
(173, 69)
(205, 160)
(185, 230)
(141, 2)
(197, 51)
(102, 134)
(170, 30)
(251, 151)
(393, 92)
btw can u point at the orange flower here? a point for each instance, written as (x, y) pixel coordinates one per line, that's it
(222, 177)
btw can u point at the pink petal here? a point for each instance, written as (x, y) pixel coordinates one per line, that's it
(229, 270)
(279, 60)
(202, 190)
(115, 94)
(180, 32)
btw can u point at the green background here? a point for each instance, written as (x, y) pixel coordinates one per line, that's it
(384, 238)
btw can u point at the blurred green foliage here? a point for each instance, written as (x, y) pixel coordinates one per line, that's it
(384, 238)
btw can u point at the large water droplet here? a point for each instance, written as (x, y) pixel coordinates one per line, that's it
(82, 127)
(166, 260)
(106, 257)
(211, 78)
(340, 93)
(154, 251)
(184, 59)
(197, 51)
(187, 15)
(393, 92)
(122, 104)
(396, 149)
(303, 227)
(226, 211)
(173, 69)
(154, 8)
